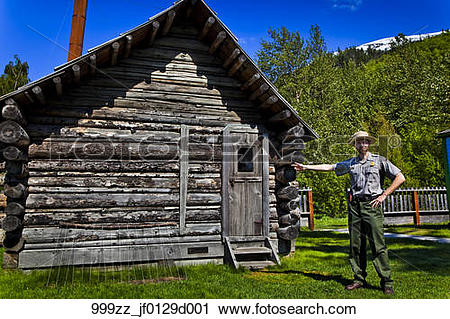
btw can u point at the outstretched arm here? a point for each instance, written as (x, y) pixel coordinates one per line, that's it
(398, 180)
(318, 167)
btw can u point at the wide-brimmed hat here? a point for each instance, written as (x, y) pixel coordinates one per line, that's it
(362, 135)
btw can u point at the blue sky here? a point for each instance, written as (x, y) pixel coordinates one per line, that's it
(38, 31)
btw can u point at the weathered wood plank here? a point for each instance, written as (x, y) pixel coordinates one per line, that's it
(184, 171)
(110, 165)
(58, 133)
(56, 234)
(122, 242)
(120, 254)
(106, 83)
(153, 100)
(45, 126)
(92, 167)
(129, 216)
(98, 149)
(97, 181)
(117, 199)
(143, 116)
(167, 53)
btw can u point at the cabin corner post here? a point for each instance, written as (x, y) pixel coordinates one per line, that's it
(184, 173)
(265, 185)
(15, 154)
(291, 145)
(226, 167)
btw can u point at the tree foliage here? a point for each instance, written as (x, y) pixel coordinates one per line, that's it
(14, 76)
(400, 96)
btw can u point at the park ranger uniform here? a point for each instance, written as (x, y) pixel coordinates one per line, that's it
(364, 221)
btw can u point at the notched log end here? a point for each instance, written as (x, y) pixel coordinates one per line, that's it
(13, 246)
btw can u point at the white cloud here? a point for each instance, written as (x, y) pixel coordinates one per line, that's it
(347, 4)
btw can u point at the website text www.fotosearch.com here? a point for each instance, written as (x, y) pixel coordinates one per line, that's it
(268, 309)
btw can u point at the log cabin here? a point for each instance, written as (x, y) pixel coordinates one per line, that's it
(166, 144)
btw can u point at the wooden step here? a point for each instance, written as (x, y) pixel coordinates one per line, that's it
(256, 264)
(251, 250)
(255, 254)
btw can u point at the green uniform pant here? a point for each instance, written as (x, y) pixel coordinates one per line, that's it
(365, 222)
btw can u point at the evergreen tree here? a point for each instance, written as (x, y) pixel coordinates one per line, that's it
(401, 95)
(14, 76)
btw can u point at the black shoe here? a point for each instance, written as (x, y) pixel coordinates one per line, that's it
(388, 290)
(353, 286)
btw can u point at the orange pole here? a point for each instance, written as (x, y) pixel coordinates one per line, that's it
(77, 32)
(311, 211)
(416, 206)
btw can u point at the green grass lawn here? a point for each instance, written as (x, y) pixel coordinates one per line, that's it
(327, 222)
(318, 269)
(436, 230)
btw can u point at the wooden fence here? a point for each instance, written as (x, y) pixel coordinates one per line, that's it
(306, 207)
(416, 206)
(404, 206)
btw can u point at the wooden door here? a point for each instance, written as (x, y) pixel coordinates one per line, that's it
(245, 183)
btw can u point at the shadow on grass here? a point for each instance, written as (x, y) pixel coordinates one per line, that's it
(423, 226)
(321, 277)
(413, 255)
(407, 254)
(330, 237)
(59, 277)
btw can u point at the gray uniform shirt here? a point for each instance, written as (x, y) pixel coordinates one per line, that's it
(367, 176)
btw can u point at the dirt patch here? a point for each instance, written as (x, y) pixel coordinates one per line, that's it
(155, 280)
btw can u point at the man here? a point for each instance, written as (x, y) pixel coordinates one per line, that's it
(365, 216)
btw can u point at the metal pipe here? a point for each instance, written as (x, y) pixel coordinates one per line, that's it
(77, 32)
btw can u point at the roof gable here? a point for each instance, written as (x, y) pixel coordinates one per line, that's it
(220, 40)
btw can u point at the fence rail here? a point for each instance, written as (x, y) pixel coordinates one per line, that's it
(416, 205)
(404, 206)
(306, 207)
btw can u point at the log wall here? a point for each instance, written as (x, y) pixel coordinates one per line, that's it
(108, 166)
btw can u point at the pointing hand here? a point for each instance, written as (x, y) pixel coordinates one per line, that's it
(299, 167)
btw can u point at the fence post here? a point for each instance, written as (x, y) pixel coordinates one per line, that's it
(311, 211)
(416, 207)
